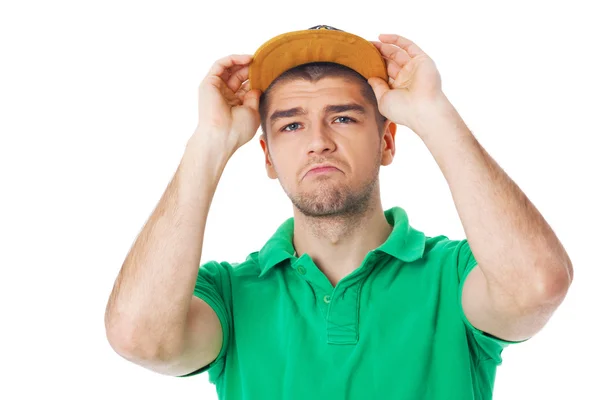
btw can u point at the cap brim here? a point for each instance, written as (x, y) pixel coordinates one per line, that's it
(296, 48)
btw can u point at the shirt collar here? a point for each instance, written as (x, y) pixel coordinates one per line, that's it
(404, 243)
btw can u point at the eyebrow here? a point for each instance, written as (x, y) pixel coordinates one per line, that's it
(332, 108)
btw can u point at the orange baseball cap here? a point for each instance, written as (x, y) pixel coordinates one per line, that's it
(319, 43)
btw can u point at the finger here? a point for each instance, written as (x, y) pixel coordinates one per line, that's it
(411, 49)
(237, 78)
(230, 71)
(400, 56)
(393, 69)
(380, 87)
(251, 99)
(243, 90)
(225, 63)
(231, 97)
(375, 43)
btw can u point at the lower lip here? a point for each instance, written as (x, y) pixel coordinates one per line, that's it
(321, 170)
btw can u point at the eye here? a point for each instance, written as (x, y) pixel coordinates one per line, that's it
(344, 118)
(294, 126)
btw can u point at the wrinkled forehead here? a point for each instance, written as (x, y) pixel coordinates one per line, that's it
(303, 93)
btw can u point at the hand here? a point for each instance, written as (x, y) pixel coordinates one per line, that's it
(227, 110)
(414, 81)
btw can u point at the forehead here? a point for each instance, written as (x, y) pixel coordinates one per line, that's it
(300, 92)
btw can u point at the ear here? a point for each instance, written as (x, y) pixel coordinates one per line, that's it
(271, 173)
(389, 143)
(392, 127)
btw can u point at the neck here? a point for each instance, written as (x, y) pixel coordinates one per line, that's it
(339, 243)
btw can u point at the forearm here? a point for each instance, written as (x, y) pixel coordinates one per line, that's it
(151, 297)
(515, 247)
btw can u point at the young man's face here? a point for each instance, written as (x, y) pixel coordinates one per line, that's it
(327, 121)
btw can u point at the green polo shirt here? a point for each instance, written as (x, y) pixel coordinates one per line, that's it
(394, 328)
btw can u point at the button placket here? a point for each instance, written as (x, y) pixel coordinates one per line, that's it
(342, 315)
(305, 268)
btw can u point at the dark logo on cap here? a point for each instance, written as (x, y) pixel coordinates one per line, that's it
(325, 27)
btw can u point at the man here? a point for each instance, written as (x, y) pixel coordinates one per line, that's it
(346, 300)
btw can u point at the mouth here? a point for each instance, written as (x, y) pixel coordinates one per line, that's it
(322, 170)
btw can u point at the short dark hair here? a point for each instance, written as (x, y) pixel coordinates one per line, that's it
(314, 72)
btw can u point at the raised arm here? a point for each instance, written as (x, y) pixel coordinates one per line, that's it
(152, 317)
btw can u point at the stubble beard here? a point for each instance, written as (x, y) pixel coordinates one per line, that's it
(331, 199)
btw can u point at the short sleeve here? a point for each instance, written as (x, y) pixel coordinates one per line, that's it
(488, 346)
(213, 285)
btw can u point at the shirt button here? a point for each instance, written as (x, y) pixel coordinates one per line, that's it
(327, 299)
(301, 270)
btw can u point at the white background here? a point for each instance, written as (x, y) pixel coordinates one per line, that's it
(98, 99)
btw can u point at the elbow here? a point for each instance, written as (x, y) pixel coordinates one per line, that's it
(138, 347)
(570, 271)
(553, 288)
(124, 343)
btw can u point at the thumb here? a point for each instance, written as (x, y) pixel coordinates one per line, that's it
(379, 87)
(251, 99)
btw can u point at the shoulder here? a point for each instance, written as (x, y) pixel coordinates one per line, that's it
(442, 246)
(450, 255)
(232, 270)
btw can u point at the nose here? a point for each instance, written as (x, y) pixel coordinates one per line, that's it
(321, 139)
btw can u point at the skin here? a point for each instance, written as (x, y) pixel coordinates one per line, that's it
(523, 271)
(338, 214)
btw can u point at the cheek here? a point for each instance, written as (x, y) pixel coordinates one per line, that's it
(285, 166)
(367, 157)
